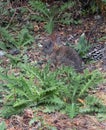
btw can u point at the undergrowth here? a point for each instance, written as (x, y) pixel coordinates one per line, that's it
(19, 40)
(52, 15)
(2, 125)
(60, 90)
(83, 46)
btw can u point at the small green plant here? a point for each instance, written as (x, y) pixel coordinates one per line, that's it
(83, 46)
(60, 90)
(102, 39)
(8, 40)
(93, 105)
(14, 60)
(2, 125)
(4, 13)
(51, 15)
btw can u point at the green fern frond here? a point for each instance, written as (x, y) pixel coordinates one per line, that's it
(59, 89)
(52, 108)
(101, 116)
(6, 35)
(66, 5)
(24, 38)
(72, 110)
(90, 79)
(93, 105)
(50, 25)
(21, 103)
(51, 15)
(54, 100)
(40, 7)
(7, 111)
(2, 125)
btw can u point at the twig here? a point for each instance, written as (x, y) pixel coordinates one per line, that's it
(11, 19)
(30, 10)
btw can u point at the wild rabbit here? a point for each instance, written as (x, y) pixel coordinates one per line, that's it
(63, 55)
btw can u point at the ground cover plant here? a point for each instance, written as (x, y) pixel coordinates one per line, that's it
(52, 15)
(62, 89)
(9, 41)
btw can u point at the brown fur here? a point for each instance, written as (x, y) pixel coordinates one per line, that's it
(63, 55)
(66, 56)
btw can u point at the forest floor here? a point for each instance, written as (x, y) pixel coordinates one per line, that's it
(58, 121)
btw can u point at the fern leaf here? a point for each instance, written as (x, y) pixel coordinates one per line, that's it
(6, 35)
(49, 26)
(40, 7)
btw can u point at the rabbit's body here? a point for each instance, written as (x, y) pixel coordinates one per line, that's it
(63, 55)
(66, 56)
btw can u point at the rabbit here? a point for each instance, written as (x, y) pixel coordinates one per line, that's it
(63, 55)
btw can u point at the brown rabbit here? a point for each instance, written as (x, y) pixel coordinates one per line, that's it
(60, 54)
(63, 55)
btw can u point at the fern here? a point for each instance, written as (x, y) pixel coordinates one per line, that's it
(101, 116)
(2, 125)
(49, 26)
(91, 80)
(22, 39)
(93, 105)
(7, 38)
(83, 46)
(50, 15)
(40, 7)
(8, 110)
(58, 90)
(53, 100)
(72, 109)
(2, 45)
(53, 104)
